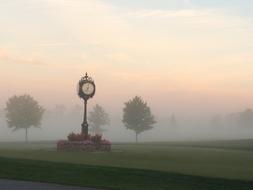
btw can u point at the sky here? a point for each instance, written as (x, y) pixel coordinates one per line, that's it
(181, 56)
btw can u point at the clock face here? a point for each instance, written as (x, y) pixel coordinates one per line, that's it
(88, 88)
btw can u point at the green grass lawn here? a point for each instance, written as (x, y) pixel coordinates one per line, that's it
(212, 162)
(111, 177)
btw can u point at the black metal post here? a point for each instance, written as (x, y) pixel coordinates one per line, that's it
(85, 123)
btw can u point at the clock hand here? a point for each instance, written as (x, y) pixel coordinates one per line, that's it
(88, 87)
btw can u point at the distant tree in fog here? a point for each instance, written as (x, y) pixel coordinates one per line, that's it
(2, 112)
(216, 121)
(246, 118)
(77, 110)
(240, 119)
(59, 110)
(231, 120)
(98, 118)
(137, 116)
(173, 121)
(2, 116)
(23, 112)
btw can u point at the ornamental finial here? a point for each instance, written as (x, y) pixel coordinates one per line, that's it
(86, 76)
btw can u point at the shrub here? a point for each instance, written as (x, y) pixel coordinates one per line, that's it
(96, 139)
(85, 143)
(78, 137)
(84, 146)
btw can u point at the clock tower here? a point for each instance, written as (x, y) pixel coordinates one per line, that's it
(86, 89)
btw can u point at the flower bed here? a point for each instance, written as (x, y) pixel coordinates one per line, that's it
(79, 142)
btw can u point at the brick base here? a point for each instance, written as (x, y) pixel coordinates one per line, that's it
(83, 146)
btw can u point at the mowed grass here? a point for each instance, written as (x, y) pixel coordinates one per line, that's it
(217, 159)
(111, 177)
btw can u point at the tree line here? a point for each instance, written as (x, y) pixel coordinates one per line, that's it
(24, 112)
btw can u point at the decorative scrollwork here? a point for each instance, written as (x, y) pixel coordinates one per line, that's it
(86, 78)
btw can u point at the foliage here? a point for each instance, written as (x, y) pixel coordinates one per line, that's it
(22, 112)
(173, 120)
(86, 146)
(98, 118)
(78, 137)
(82, 142)
(96, 139)
(246, 118)
(217, 121)
(59, 110)
(137, 116)
(243, 119)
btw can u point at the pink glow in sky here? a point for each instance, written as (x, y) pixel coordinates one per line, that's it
(177, 59)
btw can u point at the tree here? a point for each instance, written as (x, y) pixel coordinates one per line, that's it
(246, 118)
(98, 118)
(216, 121)
(76, 110)
(23, 112)
(137, 116)
(173, 120)
(59, 110)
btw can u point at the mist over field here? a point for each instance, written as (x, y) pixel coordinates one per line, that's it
(59, 121)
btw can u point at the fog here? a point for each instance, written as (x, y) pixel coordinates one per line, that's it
(60, 120)
(186, 58)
